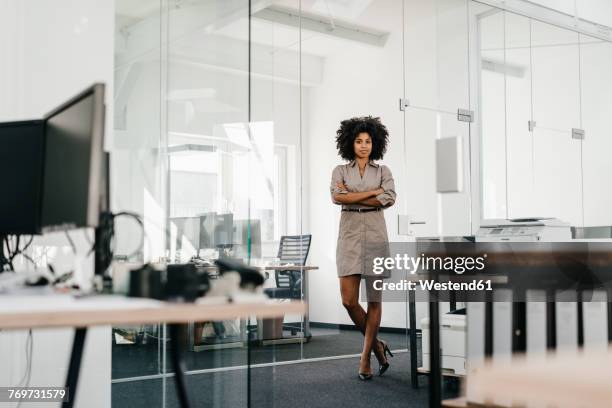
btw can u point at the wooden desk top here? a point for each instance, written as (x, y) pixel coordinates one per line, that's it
(46, 311)
(563, 380)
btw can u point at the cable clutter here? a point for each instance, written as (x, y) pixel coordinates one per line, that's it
(187, 282)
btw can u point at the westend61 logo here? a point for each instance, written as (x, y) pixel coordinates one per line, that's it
(410, 263)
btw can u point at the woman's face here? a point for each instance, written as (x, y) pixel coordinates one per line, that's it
(363, 145)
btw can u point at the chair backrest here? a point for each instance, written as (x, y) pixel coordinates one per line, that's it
(292, 249)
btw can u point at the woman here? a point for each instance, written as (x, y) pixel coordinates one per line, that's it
(363, 188)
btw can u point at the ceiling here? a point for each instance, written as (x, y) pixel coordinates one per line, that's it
(231, 21)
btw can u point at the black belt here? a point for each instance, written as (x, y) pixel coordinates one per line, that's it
(361, 209)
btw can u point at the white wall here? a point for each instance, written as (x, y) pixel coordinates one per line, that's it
(52, 50)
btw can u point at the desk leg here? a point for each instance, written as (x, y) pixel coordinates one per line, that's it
(435, 374)
(249, 363)
(414, 375)
(580, 320)
(488, 329)
(452, 301)
(519, 327)
(609, 316)
(177, 338)
(72, 378)
(551, 321)
(307, 333)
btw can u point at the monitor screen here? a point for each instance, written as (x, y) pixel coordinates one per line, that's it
(187, 231)
(21, 155)
(242, 247)
(224, 230)
(74, 173)
(207, 230)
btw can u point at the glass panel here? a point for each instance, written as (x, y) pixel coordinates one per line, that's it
(556, 110)
(420, 48)
(595, 68)
(452, 44)
(138, 185)
(275, 177)
(214, 176)
(436, 116)
(455, 207)
(542, 174)
(352, 70)
(493, 110)
(519, 142)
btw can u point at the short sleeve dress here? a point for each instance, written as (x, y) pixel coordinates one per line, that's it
(362, 235)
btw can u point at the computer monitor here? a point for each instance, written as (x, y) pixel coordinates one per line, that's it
(21, 170)
(241, 239)
(224, 230)
(74, 190)
(207, 230)
(187, 228)
(216, 230)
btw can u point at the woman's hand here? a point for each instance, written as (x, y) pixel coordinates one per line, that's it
(364, 198)
(373, 193)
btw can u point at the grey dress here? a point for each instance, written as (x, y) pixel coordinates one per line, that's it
(362, 236)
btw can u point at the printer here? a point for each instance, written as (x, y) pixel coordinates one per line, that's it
(452, 342)
(524, 230)
(455, 330)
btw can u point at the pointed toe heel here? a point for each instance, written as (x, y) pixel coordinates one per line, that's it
(384, 367)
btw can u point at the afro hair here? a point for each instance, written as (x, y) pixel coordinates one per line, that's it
(350, 128)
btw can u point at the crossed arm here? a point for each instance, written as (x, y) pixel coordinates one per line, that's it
(364, 198)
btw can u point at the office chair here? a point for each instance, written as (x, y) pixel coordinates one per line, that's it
(292, 249)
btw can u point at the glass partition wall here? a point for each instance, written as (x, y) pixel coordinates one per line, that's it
(543, 96)
(139, 184)
(225, 120)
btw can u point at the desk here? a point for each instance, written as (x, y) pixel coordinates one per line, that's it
(568, 267)
(303, 269)
(562, 380)
(49, 311)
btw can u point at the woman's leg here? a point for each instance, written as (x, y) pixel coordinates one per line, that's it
(372, 324)
(349, 289)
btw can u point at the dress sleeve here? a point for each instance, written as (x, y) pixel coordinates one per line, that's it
(387, 198)
(337, 177)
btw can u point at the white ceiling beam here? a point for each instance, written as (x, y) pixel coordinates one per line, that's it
(321, 24)
(230, 55)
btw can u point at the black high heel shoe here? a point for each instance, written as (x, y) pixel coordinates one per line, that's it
(384, 367)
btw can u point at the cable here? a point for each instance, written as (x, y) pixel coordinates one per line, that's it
(27, 376)
(74, 250)
(140, 222)
(12, 251)
(6, 260)
(28, 355)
